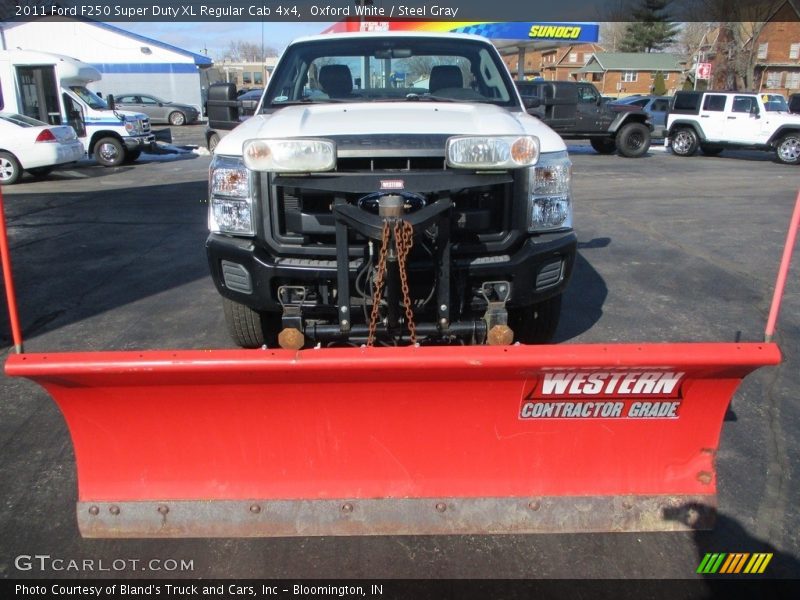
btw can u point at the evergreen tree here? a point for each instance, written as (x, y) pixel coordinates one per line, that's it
(659, 86)
(652, 29)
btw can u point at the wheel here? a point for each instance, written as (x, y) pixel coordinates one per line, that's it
(10, 171)
(788, 149)
(633, 140)
(40, 172)
(603, 145)
(213, 140)
(250, 328)
(177, 118)
(109, 152)
(685, 142)
(710, 149)
(535, 324)
(132, 155)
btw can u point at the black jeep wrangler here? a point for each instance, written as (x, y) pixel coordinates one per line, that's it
(577, 111)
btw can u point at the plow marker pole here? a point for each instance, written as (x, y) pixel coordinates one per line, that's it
(8, 280)
(783, 271)
(428, 440)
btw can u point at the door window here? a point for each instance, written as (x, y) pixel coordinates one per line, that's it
(660, 105)
(744, 104)
(39, 93)
(587, 94)
(714, 102)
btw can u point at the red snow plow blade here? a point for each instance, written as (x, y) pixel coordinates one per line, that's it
(395, 441)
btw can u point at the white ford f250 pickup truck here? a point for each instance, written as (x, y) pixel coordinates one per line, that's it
(391, 189)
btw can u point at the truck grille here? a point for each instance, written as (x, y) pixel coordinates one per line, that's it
(300, 210)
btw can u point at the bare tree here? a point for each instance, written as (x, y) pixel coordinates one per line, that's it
(740, 25)
(612, 34)
(244, 51)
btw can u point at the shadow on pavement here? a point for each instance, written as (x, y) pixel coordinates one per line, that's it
(584, 296)
(76, 255)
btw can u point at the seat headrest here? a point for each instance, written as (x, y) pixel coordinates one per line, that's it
(335, 80)
(445, 76)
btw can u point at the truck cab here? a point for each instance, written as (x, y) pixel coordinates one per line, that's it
(52, 88)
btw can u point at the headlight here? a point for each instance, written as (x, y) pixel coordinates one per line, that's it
(133, 126)
(230, 207)
(492, 152)
(290, 156)
(551, 193)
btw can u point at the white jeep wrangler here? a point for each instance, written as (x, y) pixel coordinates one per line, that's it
(713, 121)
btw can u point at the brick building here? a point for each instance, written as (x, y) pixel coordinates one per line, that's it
(554, 62)
(777, 67)
(625, 73)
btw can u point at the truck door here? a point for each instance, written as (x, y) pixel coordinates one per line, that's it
(38, 90)
(75, 116)
(712, 117)
(559, 103)
(589, 109)
(745, 121)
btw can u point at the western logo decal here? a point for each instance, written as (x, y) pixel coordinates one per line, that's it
(603, 395)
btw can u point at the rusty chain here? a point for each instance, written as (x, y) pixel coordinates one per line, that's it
(404, 240)
(376, 296)
(404, 237)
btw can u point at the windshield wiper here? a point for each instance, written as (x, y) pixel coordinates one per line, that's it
(412, 97)
(312, 101)
(432, 98)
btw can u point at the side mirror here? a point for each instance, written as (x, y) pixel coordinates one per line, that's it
(531, 102)
(110, 101)
(223, 106)
(599, 100)
(755, 112)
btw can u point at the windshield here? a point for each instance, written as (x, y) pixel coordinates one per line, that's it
(388, 69)
(90, 98)
(774, 103)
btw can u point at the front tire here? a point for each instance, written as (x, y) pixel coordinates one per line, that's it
(633, 140)
(788, 149)
(685, 142)
(109, 152)
(603, 145)
(10, 169)
(177, 118)
(535, 324)
(250, 328)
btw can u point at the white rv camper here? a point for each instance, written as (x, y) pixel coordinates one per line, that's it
(52, 88)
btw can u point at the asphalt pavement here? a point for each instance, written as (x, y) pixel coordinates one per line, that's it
(670, 249)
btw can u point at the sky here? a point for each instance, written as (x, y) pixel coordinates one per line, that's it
(213, 38)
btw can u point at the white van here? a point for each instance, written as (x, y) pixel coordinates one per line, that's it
(52, 88)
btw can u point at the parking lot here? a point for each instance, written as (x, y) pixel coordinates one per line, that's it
(671, 249)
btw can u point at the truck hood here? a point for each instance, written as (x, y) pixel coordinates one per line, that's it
(387, 118)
